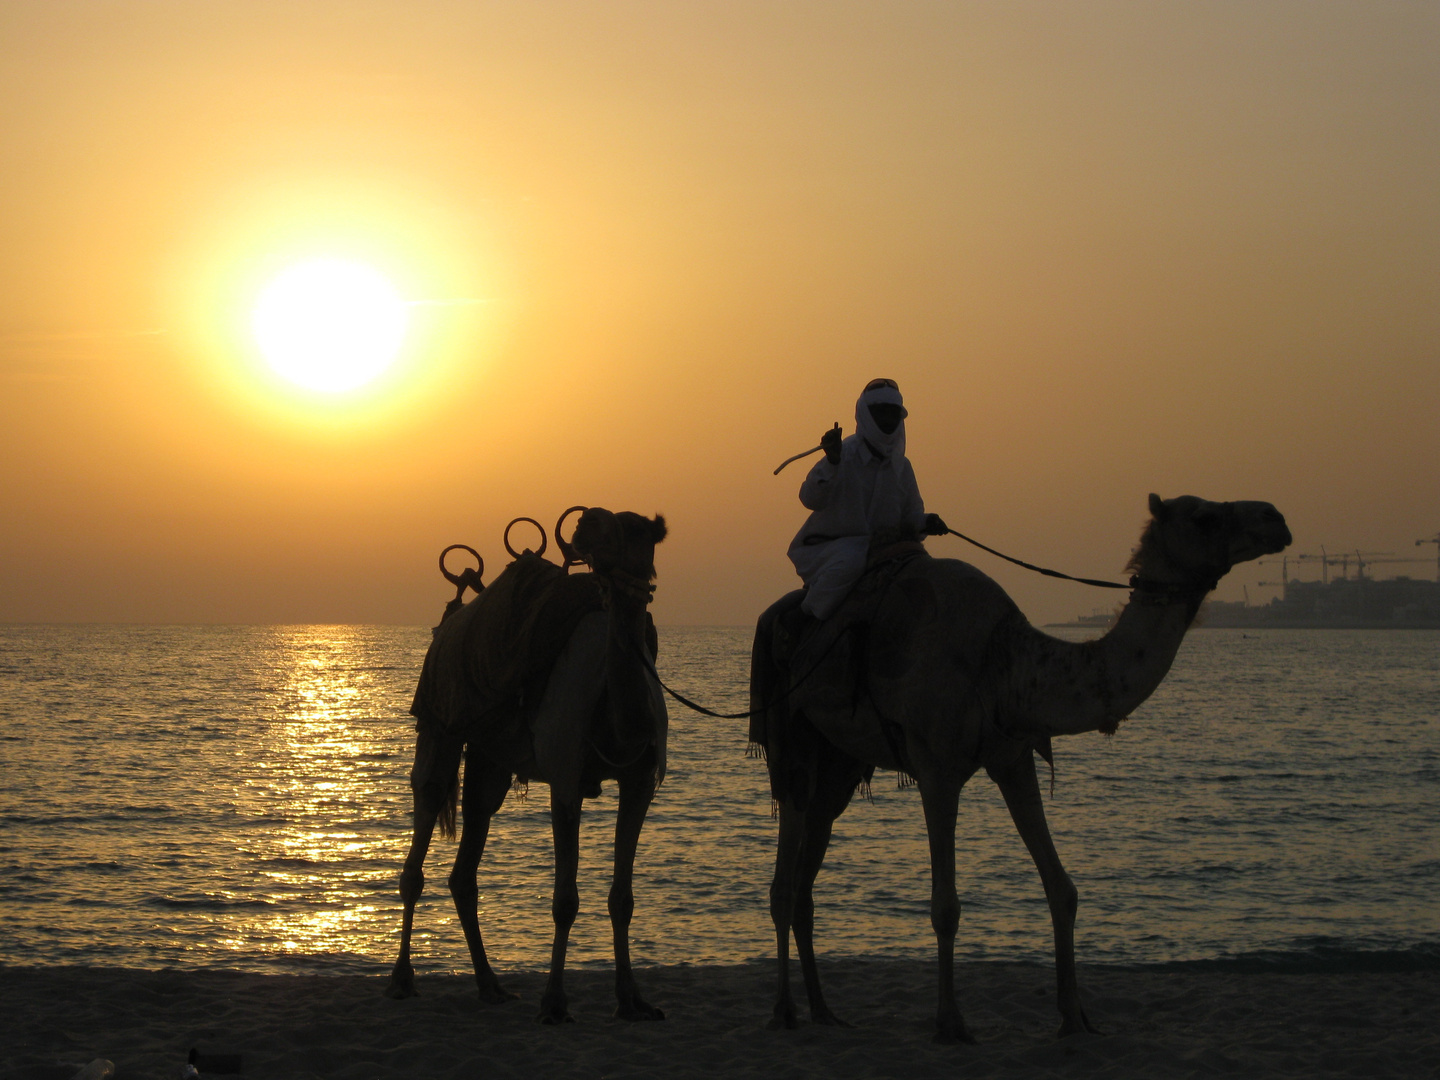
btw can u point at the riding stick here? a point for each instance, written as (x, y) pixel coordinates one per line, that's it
(805, 454)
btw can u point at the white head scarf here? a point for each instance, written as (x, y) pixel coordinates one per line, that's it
(892, 446)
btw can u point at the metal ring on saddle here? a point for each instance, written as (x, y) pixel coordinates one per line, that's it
(572, 558)
(469, 577)
(462, 578)
(544, 539)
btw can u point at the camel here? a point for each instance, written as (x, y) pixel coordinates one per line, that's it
(593, 714)
(932, 670)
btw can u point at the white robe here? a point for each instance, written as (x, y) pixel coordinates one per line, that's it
(849, 502)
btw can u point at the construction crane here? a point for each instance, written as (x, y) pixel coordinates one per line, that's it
(1323, 559)
(1361, 564)
(1326, 560)
(1282, 584)
(1436, 541)
(1284, 562)
(1362, 559)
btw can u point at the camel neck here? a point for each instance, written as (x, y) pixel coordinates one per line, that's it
(1065, 688)
(1141, 646)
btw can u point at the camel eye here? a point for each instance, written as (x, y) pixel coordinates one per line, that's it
(1207, 523)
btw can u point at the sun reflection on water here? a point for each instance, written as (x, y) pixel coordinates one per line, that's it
(239, 797)
(316, 760)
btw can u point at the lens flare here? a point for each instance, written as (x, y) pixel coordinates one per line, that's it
(330, 324)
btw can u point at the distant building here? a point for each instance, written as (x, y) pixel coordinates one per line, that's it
(1346, 603)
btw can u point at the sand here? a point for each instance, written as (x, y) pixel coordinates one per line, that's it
(1186, 1023)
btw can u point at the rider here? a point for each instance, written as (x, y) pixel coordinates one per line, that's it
(863, 487)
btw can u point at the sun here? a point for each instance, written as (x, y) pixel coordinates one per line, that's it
(330, 325)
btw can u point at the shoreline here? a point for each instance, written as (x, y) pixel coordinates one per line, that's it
(1177, 1023)
(1278, 625)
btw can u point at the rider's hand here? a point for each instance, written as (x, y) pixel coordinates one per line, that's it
(830, 443)
(934, 526)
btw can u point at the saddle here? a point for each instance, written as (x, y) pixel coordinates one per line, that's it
(830, 666)
(852, 621)
(840, 646)
(488, 661)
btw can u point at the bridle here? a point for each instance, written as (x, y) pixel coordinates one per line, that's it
(1207, 577)
(618, 583)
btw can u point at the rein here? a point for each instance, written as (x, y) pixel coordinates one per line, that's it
(617, 582)
(683, 700)
(1096, 582)
(1160, 591)
(1147, 591)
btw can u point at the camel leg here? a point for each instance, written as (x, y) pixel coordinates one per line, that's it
(816, 841)
(835, 786)
(564, 906)
(433, 762)
(1021, 790)
(636, 792)
(941, 802)
(412, 884)
(483, 793)
(782, 908)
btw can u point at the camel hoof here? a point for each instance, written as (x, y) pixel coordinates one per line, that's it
(635, 1009)
(555, 1011)
(784, 1018)
(828, 1018)
(495, 994)
(953, 1032)
(401, 986)
(1082, 1026)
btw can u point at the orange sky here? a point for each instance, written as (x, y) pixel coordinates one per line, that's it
(1105, 249)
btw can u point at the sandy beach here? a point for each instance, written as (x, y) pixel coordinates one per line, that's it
(1156, 1023)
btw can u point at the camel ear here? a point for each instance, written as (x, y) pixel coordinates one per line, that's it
(1157, 507)
(658, 531)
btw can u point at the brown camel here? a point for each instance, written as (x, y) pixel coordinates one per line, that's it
(590, 713)
(931, 669)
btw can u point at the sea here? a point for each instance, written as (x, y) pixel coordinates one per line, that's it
(237, 797)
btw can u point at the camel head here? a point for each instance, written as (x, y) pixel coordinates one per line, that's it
(620, 546)
(1192, 541)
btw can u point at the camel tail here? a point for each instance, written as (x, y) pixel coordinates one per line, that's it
(449, 804)
(435, 779)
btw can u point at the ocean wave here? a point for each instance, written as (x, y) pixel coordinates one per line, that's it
(152, 817)
(1275, 832)
(204, 902)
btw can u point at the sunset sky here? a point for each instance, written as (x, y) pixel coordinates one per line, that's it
(649, 250)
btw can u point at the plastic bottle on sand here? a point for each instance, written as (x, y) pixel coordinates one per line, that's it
(99, 1069)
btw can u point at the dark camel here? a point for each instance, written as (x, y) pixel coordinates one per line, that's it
(954, 678)
(599, 693)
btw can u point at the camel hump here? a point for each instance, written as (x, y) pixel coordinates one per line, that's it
(495, 653)
(518, 642)
(901, 624)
